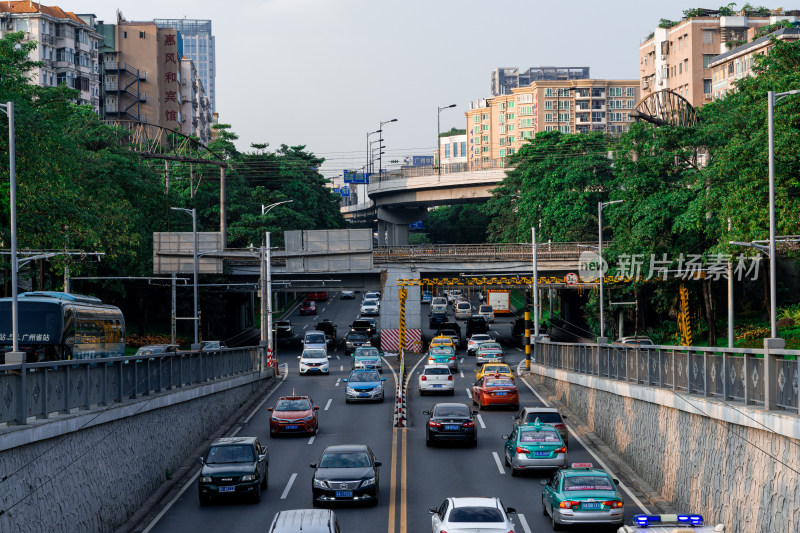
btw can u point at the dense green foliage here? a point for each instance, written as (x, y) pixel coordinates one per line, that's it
(456, 224)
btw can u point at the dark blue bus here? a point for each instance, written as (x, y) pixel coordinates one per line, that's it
(55, 326)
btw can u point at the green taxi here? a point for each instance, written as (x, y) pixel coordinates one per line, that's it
(582, 494)
(367, 358)
(534, 447)
(443, 355)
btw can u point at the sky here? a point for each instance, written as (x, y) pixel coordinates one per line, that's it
(324, 73)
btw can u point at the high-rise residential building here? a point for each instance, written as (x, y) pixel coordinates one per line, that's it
(195, 108)
(198, 44)
(678, 56)
(141, 74)
(498, 127)
(453, 151)
(68, 46)
(506, 78)
(738, 63)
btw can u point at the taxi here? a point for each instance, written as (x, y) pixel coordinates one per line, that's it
(668, 523)
(443, 355)
(582, 494)
(367, 360)
(538, 446)
(497, 369)
(489, 352)
(491, 390)
(442, 340)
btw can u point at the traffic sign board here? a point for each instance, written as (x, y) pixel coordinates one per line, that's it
(571, 279)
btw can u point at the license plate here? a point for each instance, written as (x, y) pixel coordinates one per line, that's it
(541, 454)
(590, 506)
(291, 427)
(451, 427)
(364, 395)
(344, 493)
(227, 489)
(499, 393)
(437, 386)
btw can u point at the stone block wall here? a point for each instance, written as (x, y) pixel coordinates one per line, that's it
(91, 471)
(735, 465)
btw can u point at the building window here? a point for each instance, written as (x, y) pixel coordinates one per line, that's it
(563, 117)
(141, 35)
(680, 68)
(707, 59)
(502, 152)
(476, 119)
(598, 116)
(463, 149)
(708, 36)
(447, 151)
(510, 105)
(502, 129)
(124, 35)
(707, 86)
(548, 117)
(525, 98)
(501, 118)
(564, 129)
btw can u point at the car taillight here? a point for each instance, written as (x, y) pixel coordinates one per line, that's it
(434, 424)
(563, 449)
(559, 426)
(568, 504)
(423, 378)
(614, 504)
(453, 358)
(520, 449)
(469, 424)
(450, 378)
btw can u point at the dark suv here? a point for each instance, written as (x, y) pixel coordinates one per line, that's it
(233, 466)
(362, 325)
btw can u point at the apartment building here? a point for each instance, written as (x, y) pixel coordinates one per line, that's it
(196, 108)
(503, 79)
(738, 63)
(678, 57)
(199, 44)
(68, 46)
(498, 127)
(453, 151)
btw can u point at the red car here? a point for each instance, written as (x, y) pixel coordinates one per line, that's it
(495, 390)
(294, 414)
(309, 307)
(318, 296)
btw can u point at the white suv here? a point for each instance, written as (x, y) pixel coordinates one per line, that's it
(436, 378)
(314, 360)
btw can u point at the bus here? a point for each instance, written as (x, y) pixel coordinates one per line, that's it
(56, 326)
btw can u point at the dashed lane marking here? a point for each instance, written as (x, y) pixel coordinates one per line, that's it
(327, 405)
(337, 382)
(480, 421)
(461, 361)
(498, 463)
(524, 523)
(311, 440)
(462, 373)
(469, 394)
(288, 486)
(341, 368)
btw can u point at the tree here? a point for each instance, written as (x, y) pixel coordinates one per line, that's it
(457, 224)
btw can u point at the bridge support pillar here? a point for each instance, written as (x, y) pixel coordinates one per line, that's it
(390, 299)
(396, 222)
(399, 234)
(382, 224)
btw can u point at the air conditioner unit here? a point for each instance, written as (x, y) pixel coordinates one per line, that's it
(663, 58)
(707, 95)
(661, 82)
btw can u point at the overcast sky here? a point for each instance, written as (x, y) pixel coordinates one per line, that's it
(322, 73)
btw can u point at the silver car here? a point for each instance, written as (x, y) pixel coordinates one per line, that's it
(463, 310)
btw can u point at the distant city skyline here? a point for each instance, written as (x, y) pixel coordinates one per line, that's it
(323, 74)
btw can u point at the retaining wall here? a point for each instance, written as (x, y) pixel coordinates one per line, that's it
(733, 464)
(91, 470)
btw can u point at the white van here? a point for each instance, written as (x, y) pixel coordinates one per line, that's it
(316, 340)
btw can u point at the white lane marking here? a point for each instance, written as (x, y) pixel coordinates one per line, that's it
(311, 440)
(337, 358)
(304, 327)
(327, 405)
(462, 360)
(341, 368)
(519, 349)
(524, 523)
(469, 394)
(191, 481)
(323, 309)
(288, 486)
(480, 420)
(462, 373)
(498, 463)
(580, 441)
(337, 382)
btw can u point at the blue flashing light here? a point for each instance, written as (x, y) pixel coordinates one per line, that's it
(645, 520)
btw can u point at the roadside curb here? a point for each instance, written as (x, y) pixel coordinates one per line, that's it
(167, 490)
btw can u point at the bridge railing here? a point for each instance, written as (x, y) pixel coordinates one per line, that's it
(447, 168)
(748, 375)
(58, 387)
(466, 252)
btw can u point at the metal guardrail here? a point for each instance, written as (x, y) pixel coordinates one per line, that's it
(447, 168)
(466, 252)
(58, 387)
(728, 374)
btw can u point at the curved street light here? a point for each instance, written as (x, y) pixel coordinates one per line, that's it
(439, 138)
(380, 160)
(266, 291)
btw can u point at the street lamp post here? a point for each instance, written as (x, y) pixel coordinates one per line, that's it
(15, 354)
(772, 99)
(266, 295)
(195, 319)
(369, 159)
(380, 159)
(600, 206)
(439, 138)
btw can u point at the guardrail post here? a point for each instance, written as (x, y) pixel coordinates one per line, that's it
(44, 393)
(724, 376)
(745, 380)
(771, 372)
(86, 396)
(602, 344)
(705, 373)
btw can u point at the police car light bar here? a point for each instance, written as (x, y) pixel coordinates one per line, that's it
(645, 520)
(582, 465)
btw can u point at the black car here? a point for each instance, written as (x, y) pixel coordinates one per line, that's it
(477, 324)
(346, 473)
(283, 329)
(233, 466)
(363, 325)
(353, 340)
(327, 326)
(436, 318)
(451, 422)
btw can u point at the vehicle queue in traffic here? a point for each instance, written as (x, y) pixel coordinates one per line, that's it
(537, 441)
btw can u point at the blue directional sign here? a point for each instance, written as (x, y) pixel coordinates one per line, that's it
(353, 176)
(422, 160)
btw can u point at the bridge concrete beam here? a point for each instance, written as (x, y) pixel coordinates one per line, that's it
(402, 215)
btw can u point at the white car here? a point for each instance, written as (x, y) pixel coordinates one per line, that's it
(472, 515)
(436, 378)
(314, 360)
(440, 301)
(370, 307)
(463, 310)
(374, 295)
(453, 295)
(476, 340)
(486, 311)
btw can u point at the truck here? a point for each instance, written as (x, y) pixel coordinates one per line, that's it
(500, 300)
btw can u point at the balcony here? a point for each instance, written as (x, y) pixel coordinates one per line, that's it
(582, 95)
(93, 53)
(110, 65)
(111, 86)
(598, 108)
(583, 118)
(111, 107)
(598, 94)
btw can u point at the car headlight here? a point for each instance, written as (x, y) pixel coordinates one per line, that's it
(368, 482)
(249, 477)
(351, 390)
(205, 479)
(320, 484)
(309, 417)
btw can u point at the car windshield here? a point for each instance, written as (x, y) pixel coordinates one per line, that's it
(361, 324)
(230, 454)
(356, 337)
(283, 323)
(550, 437)
(293, 405)
(371, 352)
(480, 338)
(572, 483)
(447, 411)
(499, 383)
(544, 418)
(315, 354)
(464, 305)
(476, 514)
(487, 346)
(492, 369)
(437, 371)
(442, 350)
(370, 301)
(315, 338)
(364, 377)
(344, 460)
(485, 309)
(366, 357)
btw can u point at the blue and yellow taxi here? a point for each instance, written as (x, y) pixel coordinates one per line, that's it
(443, 355)
(534, 447)
(582, 494)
